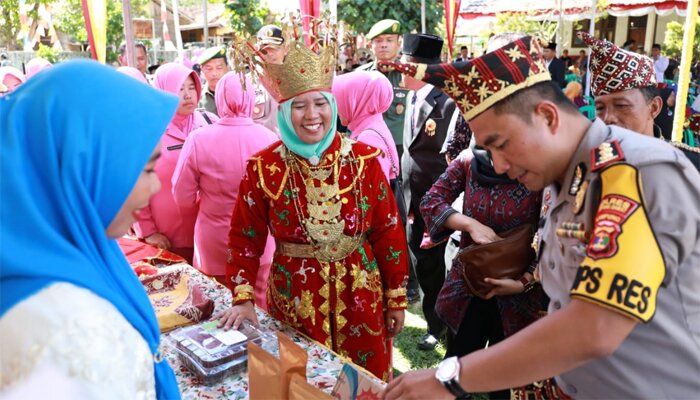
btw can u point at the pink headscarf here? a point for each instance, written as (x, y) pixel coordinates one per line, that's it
(35, 65)
(362, 97)
(170, 77)
(11, 71)
(134, 73)
(232, 101)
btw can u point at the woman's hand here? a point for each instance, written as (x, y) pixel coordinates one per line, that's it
(159, 240)
(507, 287)
(480, 233)
(394, 322)
(234, 316)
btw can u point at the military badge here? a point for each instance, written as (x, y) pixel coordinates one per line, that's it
(580, 197)
(430, 126)
(579, 174)
(612, 213)
(605, 154)
(400, 108)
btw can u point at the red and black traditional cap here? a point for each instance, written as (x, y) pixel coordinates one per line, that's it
(614, 69)
(480, 83)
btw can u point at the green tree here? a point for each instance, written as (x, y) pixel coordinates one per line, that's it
(520, 23)
(247, 16)
(673, 44)
(360, 15)
(10, 26)
(47, 53)
(69, 19)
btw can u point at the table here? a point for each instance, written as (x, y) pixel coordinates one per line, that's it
(322, 368)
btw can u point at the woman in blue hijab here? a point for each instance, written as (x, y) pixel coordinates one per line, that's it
(74, 144)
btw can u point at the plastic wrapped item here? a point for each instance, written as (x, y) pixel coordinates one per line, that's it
(213, 354)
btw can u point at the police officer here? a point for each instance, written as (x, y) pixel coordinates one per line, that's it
(214, 65)
(618, 252)
(385, 39)
(624, 84)
(271, 45)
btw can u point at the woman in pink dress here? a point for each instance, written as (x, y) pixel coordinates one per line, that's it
(362, 97)
(163, 223)
(211, 166)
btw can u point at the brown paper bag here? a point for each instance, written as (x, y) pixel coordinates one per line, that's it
(292, 362)
(263, 374)
(299, 389)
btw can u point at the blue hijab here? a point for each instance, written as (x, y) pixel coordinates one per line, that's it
(75, 139)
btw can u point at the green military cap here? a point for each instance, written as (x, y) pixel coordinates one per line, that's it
(212, 53)
(383, 27)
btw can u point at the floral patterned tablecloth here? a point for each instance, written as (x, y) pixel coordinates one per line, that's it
(322, 369)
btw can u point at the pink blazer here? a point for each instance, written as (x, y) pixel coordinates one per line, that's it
(162, 214)
(210, 169)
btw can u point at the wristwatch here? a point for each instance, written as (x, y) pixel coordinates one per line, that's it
(447, 373)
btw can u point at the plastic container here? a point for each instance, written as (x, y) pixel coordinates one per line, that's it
(213, 354)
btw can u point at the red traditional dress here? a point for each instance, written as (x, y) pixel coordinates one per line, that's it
(341, 252)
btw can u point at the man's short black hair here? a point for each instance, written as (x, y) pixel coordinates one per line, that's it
(122, 48)
(649, 92)
(523, 102)
(656, 46)
(463, 48)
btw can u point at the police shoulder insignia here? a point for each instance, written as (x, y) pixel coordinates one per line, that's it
(612, 213)
(624, 267)
(577, 179)
(605, 154)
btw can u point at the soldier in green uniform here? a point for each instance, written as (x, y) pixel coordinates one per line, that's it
(619, 247)
(214, 66)
(385, 39)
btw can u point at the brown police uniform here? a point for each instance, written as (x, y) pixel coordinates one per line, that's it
(623, 232)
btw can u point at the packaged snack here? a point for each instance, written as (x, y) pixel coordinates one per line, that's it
(213, 354)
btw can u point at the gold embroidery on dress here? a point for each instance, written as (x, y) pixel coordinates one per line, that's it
(273, 193)
(324, 308)
(340, 306)
(370, 331)
(305, 308)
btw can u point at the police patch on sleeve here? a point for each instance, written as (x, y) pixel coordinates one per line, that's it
(623, 268)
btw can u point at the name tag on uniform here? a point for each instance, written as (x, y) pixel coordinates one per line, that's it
(174, 147)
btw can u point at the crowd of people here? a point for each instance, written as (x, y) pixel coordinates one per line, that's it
(244, 172)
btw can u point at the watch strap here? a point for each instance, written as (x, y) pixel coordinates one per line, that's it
(454, 387)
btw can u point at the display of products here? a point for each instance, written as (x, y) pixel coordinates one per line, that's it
(213, 354)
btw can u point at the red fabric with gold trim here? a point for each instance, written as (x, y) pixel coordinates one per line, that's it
(606, 154)
(614, 69)
(337, 303)
(478, 84)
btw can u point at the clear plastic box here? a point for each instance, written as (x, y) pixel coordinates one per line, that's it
(213, 354)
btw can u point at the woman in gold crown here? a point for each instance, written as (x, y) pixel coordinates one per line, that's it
(340, 267)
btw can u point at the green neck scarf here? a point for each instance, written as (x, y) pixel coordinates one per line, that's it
(311, 152)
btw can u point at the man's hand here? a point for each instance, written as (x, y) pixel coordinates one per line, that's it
(419, 385)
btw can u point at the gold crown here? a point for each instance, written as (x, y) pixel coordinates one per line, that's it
(304, 69)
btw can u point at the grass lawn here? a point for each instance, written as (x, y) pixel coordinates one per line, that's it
(406, 355)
